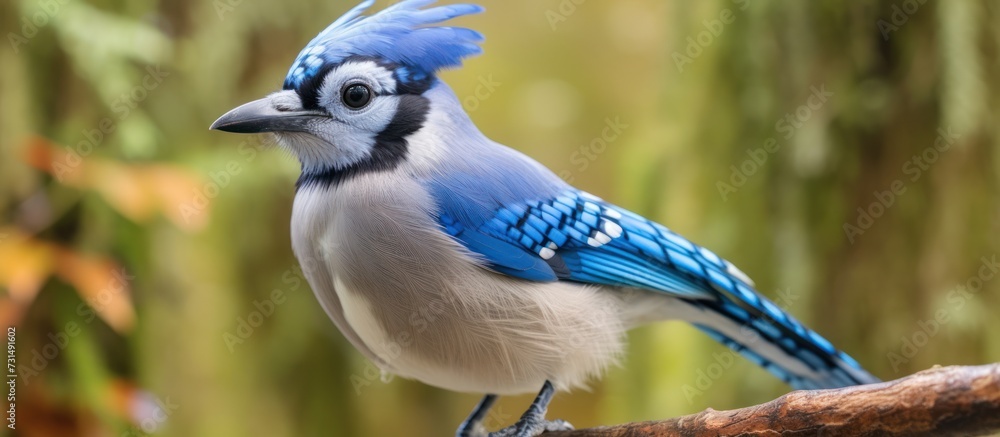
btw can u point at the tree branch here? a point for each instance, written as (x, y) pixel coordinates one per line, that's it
(942, 401)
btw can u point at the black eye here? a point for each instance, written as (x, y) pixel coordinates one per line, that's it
(357, 95)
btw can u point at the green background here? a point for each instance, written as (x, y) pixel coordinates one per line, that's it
(198, 220)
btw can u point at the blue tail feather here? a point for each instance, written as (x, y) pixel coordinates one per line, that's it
(797, 347)
(758, 321)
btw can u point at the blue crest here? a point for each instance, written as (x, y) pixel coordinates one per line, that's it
(396, 35)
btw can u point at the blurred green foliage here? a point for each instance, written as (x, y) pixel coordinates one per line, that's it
(145, 253)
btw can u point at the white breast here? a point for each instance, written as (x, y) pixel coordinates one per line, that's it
(415, 302)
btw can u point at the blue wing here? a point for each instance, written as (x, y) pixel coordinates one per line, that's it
(574, 236)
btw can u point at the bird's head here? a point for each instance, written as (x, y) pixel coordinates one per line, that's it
(356, 91)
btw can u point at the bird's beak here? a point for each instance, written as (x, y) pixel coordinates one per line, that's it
(261, 116)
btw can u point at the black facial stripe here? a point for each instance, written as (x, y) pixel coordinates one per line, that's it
(409, 118)
(390, 147)
(414, 87)
(308, 90)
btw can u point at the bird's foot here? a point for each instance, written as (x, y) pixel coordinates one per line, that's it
(533, 422)
(532, 428)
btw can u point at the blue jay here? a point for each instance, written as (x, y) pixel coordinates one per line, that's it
(445, 257)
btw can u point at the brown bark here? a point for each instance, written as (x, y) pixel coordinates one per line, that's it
(942, 401)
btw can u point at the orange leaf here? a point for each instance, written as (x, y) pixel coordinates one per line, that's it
(136, 191)
(123, 187)
(179, 194)
(66, 165)
(25, 264)
(102, 284)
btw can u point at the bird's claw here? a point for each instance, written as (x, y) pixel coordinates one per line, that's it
(530, 428)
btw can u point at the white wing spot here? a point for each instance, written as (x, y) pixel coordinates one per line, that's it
(546, 253)
(612, 213)
(552, 245)
(602, 237)
(709, 255)
(732, 270)
(611, 228)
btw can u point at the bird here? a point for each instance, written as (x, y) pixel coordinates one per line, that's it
(448, 258)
